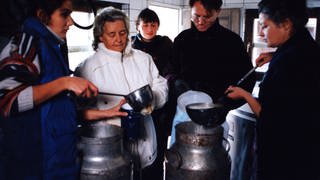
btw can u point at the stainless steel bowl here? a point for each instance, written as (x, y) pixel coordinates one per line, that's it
(207, 114)
(140, 99)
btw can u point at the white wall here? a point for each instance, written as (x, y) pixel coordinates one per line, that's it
(135, 6)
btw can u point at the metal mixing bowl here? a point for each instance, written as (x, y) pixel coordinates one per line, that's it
(140, 99)
(207, 114)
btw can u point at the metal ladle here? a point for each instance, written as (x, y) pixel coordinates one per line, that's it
(222, 100)
(111, 94)
(140, 100)
(246, 75)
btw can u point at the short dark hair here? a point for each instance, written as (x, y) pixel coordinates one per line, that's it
(19, 10)
(279, 10)
(209, 5)
(48, 6)
(147, 15)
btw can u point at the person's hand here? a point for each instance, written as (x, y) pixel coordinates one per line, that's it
(97, 114)
(80, 87)
(115, 111)
(234, 92)
(263, 58)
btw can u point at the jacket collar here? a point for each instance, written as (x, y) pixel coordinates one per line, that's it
(35, 28)
(116, 54)
(210, 31)
(153, 40)
(298, 37)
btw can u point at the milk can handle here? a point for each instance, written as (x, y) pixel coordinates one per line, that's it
(173, 158)
(228, 146)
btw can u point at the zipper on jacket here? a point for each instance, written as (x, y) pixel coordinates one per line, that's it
(124, 72)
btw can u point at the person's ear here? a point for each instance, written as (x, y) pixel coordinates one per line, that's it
(287, 24)
(43, 16)
(218, 11)
(137, 25)
(101, 39)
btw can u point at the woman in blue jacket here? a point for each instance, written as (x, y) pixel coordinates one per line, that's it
(288, 123)
(38, 116)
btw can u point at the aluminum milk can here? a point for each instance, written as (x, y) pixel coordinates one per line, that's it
(103, 156)
(197, 154)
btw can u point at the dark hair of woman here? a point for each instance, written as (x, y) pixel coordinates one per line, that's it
(18, 10)
(280, 10)
(47, 8)
(148, 16)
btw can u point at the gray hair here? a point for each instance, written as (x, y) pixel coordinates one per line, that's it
(108, 14)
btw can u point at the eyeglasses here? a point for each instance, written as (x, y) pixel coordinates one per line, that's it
(196, 18)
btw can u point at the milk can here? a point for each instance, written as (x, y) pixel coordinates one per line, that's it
(241, 137)
(197, 154)
(103, 156)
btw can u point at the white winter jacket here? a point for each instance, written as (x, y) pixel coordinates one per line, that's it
(121, 73)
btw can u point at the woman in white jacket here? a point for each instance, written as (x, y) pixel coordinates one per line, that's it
(117, 68)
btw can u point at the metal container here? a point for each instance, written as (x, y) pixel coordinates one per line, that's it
(103, 156)
(207, 114)
(140, 99)
(241, 137)
(197, 154)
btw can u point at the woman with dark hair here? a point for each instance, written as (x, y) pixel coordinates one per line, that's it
(39, 120)
(147, 40)
(288, 122)
(160, 48)
(38, 115)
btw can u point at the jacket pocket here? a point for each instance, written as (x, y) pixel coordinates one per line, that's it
(61, 117)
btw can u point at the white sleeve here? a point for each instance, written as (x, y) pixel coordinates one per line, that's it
(25, 99)
(159, 86)
(83, 70)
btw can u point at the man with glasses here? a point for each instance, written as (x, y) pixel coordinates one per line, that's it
(208, 57)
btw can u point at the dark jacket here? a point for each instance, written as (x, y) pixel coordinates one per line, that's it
(210, 61)
(160, 48)
(289, 124)
(41, 143)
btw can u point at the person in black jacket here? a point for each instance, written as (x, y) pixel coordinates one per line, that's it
(160, 48)
(208, 57)
(288, 123)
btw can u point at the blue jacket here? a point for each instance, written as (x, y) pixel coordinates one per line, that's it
(41, 143)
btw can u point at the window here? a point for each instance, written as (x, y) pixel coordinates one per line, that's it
(80, 40)
(169, 21)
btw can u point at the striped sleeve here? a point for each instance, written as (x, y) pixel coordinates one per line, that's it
(18, 71)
